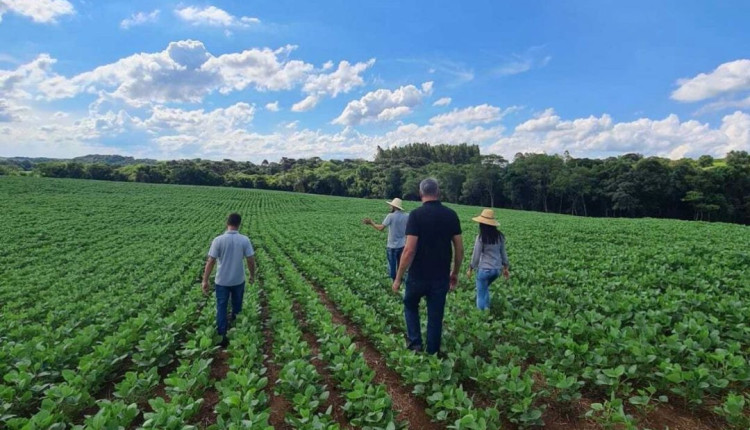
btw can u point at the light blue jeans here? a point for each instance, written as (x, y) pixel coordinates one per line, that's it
(485, 277)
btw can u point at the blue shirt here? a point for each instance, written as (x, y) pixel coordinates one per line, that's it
(230, 249)
(396, 223)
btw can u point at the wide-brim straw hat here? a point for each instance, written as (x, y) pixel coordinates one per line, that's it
(396, 203)
(487, 217)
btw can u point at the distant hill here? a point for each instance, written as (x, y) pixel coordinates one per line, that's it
(28, 163)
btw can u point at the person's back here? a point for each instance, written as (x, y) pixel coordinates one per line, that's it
(396, 223)
(432, 233)
(489, 255)
(435, 225)
(230, 250)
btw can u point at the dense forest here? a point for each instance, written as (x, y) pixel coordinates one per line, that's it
(630, 185)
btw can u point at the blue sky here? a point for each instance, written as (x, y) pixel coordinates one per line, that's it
(253, 80)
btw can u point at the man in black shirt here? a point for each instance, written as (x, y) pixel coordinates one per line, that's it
(431, 231)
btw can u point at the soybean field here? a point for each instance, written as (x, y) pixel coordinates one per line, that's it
(605, 323)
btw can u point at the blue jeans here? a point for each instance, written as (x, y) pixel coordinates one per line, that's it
(485, 277)
(222, 297)
(434, 293)
(394, 257)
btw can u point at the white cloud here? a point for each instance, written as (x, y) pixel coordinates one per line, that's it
(273, 107)
(545, 121)
(306, 104)
(444, 101)
(177, 74)
(383, 105)
(9, 112)
(601, 136)
(345, 78)
(184, 72)
(264, 69)
(198, 122)
(730, 77)
(212, 16)
(471, 115)
(739, 103)
(41, 11)
(139, 18)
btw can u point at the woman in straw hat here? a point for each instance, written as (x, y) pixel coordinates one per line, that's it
(396, 222)
(489, 256)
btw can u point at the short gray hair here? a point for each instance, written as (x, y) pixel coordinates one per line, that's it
(429, 187)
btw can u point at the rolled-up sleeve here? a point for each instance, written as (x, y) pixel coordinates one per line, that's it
(476, 254)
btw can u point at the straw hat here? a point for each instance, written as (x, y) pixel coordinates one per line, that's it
(396, 203)
(487, 217)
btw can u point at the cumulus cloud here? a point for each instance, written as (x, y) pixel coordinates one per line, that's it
(176, 74)
(264, 69)
(474, 114)
(22, 82)
(444, 101)
(198, 122)
(273, 107)
(344, 79)
(184, 72)
(40, 11)
(8, 111)
(383, 104)
(730, 77)
(212, 16)
(602, 136)
(139, 18)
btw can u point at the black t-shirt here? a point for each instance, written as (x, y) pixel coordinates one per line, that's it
(434, 225)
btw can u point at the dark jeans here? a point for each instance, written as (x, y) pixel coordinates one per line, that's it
(394, 256)
(222, 297)
(434, 293)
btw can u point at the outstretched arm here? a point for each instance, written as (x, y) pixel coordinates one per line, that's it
(251, 267)
(207, 272)
(407, 257)
(378, 227)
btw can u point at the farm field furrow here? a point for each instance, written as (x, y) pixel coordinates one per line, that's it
(605, 323)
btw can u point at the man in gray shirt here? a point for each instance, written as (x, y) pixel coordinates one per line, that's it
(229, 249)
(396, 222)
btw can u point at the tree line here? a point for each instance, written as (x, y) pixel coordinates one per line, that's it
(629, 185)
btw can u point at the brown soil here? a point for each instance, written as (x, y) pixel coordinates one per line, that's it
(278, 405)
(410, 408)
(675, 418)
(206, 416)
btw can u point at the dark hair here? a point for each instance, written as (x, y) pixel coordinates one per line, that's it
(490, 234)
(234, 219)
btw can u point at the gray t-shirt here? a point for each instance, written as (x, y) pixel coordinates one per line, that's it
(396, 223)
(230, 249)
